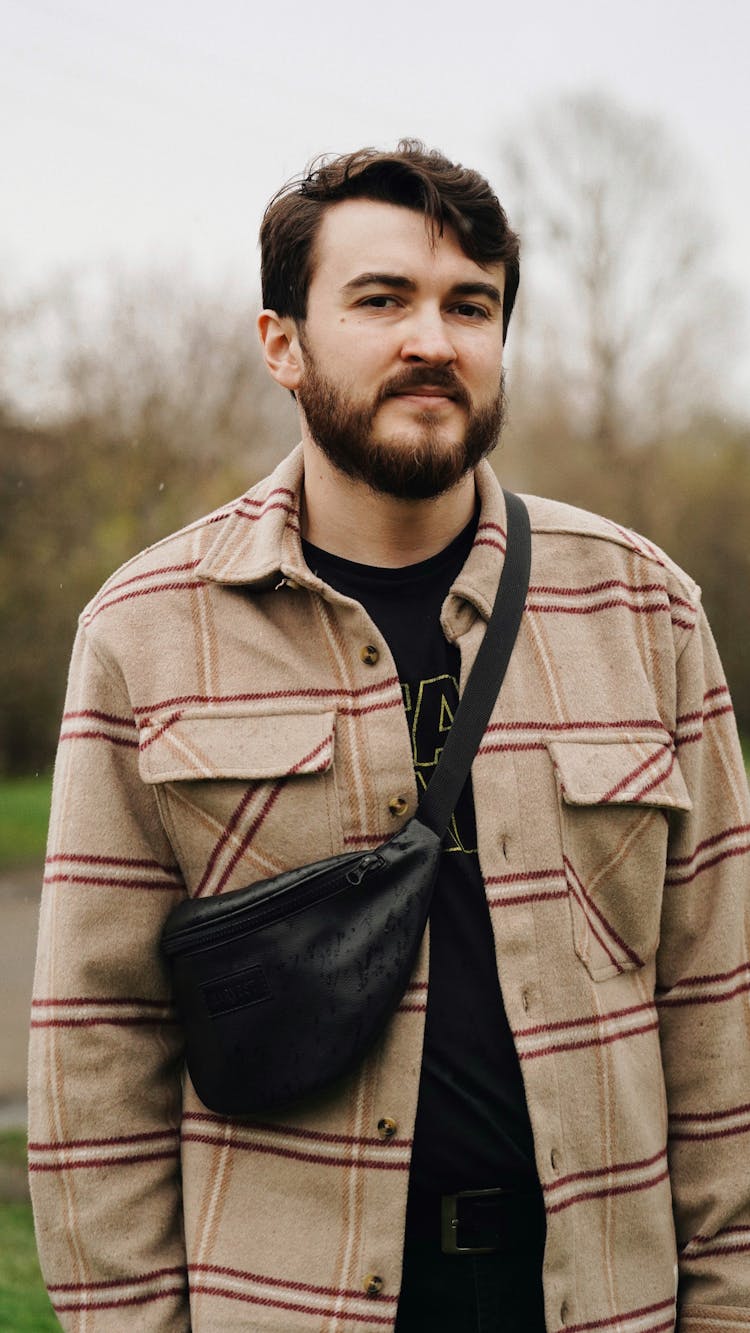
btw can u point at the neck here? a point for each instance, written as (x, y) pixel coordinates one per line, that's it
(348, 519)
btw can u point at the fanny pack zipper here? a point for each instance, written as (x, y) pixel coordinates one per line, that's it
(280, 905)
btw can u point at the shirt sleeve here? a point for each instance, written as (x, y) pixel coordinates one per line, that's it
(703, 1000)
(105, 1050)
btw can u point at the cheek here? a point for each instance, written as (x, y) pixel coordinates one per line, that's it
(484, 376)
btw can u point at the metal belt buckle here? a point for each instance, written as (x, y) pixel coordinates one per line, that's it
(449, 1223)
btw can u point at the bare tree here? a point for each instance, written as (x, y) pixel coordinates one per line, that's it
(624, 328)
(151, 359)
(140, 405)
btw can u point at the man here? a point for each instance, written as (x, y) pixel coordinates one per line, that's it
(551, 1132)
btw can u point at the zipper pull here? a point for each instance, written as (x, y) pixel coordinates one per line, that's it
(363, 867)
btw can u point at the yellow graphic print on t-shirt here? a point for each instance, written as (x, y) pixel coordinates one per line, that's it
(430, 710)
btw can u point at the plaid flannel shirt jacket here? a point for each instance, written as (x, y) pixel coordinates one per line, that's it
(221, 725)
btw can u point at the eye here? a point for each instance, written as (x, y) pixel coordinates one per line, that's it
(380, 302)
(468, 310)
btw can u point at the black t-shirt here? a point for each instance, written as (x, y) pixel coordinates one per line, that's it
(472, 1129)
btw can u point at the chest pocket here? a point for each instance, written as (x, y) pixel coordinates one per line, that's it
(614, 800)
(243, 796)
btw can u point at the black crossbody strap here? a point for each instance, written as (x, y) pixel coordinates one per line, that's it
(486, 676)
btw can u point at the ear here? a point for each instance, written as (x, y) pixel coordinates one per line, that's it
(282, 353)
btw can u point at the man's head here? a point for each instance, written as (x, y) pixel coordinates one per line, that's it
(388, 280)
(445, 193)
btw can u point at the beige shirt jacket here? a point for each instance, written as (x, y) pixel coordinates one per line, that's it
(223, 724)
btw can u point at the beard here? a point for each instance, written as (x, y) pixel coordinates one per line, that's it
(414, 464)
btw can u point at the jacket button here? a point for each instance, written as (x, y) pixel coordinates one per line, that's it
(387, 1127)
(398, 805)
(369, 654)
(373, 1284)
(554, 1158)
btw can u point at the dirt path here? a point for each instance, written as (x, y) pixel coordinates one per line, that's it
(19, 912)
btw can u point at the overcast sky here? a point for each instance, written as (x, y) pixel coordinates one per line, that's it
(153, 132)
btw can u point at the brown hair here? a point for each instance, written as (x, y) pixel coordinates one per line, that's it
(448, 195)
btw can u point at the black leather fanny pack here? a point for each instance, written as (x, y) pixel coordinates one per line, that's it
(283, 986)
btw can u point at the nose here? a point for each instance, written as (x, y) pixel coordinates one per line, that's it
(426, 339)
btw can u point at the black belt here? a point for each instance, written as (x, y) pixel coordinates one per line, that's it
(491, 1221)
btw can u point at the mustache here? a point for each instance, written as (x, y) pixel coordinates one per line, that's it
(419, 377)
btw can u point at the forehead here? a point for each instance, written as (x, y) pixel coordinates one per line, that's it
(365, 235)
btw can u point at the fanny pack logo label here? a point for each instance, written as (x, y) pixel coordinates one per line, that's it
(236, 992)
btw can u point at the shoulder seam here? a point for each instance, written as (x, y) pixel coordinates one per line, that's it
(628, 540)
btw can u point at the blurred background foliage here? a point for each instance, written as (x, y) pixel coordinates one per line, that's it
(131, 409)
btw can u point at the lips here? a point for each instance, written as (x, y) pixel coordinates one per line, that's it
(418, 388)
(425, 383)
(424, 391)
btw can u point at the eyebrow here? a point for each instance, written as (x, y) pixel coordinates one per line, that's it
(403, 284)
(487, 289)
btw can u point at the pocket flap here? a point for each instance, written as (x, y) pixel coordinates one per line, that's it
(249, 746)
(619, 773)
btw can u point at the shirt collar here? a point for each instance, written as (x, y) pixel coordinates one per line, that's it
(259, 542)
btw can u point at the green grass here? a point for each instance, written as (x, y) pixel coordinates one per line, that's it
(24, 1304)
(13, 1148)
(24, 814)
